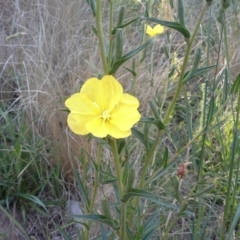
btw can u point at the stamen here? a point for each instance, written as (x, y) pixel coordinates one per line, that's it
(106, 115)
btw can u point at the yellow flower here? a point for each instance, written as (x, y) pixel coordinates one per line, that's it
(101, 108)
(158, 29)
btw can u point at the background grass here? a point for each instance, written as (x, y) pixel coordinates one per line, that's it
(48, 50)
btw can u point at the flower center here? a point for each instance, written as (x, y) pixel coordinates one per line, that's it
(106, 115)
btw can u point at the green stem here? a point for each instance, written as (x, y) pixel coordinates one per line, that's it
(95, 188)
(149, 158)
(123, 221)
(111, 37)
(96, 181)
(151, 67)
(139, 63)
(100, 35)
(113, 144)
(148, 162)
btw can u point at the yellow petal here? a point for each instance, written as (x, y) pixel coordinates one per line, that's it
(77, 124)
(101, 129)
(80, 103)
(105, 92)
(158, 29)
(116, 132)
(82, 110)
(149, 31)
(97, 127)
(125, 114)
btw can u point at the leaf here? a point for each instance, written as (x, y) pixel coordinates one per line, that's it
(92, 4)
(151, 197)
(131, 71)
(154, 121)
(82, 189)
(234, 223)
(123, 25)
(165, 158)
(129, 233)
(173, 25)
(161, 171)
(32, 199)
(196, 73)
(95, 31)
(150, 226)
(13, 220)
(98, 218)
(140, 136)
(236, 85)
(121, 144)
(106, 177)
(126, 57)
(64, 234)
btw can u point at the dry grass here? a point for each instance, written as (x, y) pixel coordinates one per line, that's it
(58, 52)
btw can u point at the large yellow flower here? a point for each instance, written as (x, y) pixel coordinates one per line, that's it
(101, 108)
(158, 29)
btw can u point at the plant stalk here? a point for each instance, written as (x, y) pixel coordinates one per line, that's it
(113, 144)
(100, 35)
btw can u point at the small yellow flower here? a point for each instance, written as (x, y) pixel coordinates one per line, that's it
(158, 29)
(101, 108)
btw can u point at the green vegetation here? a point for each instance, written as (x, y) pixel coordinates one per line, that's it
(176, 176)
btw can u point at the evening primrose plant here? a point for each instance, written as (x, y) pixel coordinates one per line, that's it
(111, 117)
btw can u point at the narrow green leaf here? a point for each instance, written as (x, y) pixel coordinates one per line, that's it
(138, 193)
(172, 71)
(123, 26)
(165, 158)
(64, 234)
(106, 177)
(106, 210)
(236, 85)
(92, 4)
(154, 107)
(126, 57)
(32, 199)
(82, 189)
(121, 16)
(104, 232)
(95, 31)
(129, 233)
(121, 144)
(130, 179)
(211, 110)
(161, 171)
(199, 71)
(131, 71)
(140, 136)
(234, 223)
(206, 189)
(18, 225)
(118, 44)
(98, 218)
(147, 236)
(173, 25)
(156, 122)
(150, 226)
(196, 61)
(181, 15)
(151, 197)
